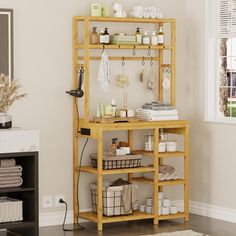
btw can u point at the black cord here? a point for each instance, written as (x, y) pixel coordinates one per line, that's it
(77, 110)
(80, 227)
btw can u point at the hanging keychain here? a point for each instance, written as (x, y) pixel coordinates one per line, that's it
(166, 80)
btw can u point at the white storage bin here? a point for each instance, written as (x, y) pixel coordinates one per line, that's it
(10, 210)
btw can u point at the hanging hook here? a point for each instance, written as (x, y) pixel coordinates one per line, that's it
(123, 61)
(169, 69)
(149, 51)
(143, 61)
(151, 62)
(134, 51)
(103, 48)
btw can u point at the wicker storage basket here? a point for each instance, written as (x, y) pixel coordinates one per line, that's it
(112, 200)
(10, 210)
(110, 162)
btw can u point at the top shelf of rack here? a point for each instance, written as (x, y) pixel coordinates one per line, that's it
(125, 20)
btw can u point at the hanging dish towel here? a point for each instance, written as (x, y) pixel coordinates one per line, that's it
(104, 74)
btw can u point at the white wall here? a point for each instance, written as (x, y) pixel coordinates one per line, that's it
(213, 162)
(43, 63)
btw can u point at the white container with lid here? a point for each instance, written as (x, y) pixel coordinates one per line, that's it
(171, 146)
(154, 38)
(146, 38)
(162, 147)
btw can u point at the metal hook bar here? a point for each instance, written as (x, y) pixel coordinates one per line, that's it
(134, 51)
(143, 61)
(151, 62)
(123, 61)
(149, 51)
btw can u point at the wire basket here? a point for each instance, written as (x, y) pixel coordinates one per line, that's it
(112, 201)
(117, 162)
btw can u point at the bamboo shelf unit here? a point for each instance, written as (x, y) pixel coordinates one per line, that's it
(95, 130)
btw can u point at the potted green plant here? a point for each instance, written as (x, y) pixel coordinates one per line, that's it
(9, 93)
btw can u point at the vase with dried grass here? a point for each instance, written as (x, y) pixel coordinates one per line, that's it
(9, 93)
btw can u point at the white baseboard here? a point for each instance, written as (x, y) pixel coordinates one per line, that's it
(221, 213)
(56, 218)
(208, 210)
(212, 211)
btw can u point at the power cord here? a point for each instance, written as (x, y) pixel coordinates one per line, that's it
(80, 227)
(77, 110)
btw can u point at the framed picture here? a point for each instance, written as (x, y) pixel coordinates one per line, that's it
(6, 42)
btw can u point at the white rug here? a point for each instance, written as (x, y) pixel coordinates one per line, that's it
(179, 233)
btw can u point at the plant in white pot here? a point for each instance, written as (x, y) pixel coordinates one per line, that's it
(9, 93)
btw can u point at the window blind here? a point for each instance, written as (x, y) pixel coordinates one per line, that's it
(227, 21)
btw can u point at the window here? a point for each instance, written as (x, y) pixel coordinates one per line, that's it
(221, 45)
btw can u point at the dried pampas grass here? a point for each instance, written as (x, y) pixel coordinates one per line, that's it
(8, 92)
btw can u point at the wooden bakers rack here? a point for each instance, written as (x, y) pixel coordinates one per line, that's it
(95, 130)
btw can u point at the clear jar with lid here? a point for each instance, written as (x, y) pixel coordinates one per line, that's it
(149, 143)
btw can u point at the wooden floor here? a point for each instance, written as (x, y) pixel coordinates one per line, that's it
(200, 224)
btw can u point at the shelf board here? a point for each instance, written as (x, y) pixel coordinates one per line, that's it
(137, 215)
(142, 180)
(124, 19)
(91, 170)
(171, 154)
(18, 189)
(160, 154)
(112, 46)
(20, 224)
(140, 125)
(172, 182)
(169, 217)
(160, 183)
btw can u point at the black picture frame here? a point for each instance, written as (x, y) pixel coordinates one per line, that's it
(6, 42)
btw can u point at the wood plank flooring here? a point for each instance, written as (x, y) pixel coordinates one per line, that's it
(196, 223)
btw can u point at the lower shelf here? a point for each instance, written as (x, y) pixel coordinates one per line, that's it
(137, 215)
(20, 224)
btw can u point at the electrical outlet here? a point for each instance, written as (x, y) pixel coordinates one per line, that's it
(47, 201)
(56, 200)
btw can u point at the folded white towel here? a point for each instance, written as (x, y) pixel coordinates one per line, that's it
(7, 162)
(153, 113)
(13, 169)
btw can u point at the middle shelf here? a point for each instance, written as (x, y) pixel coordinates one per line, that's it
(91, 170)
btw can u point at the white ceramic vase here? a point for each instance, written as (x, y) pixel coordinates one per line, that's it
(5, 121)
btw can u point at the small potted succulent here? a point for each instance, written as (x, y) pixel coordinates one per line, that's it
(9, 93)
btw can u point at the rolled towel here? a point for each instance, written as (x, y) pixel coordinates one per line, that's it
(15, 169)
(167, 176)
(7, 163)
(164, 169)
(174, 176)
(161, 177)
